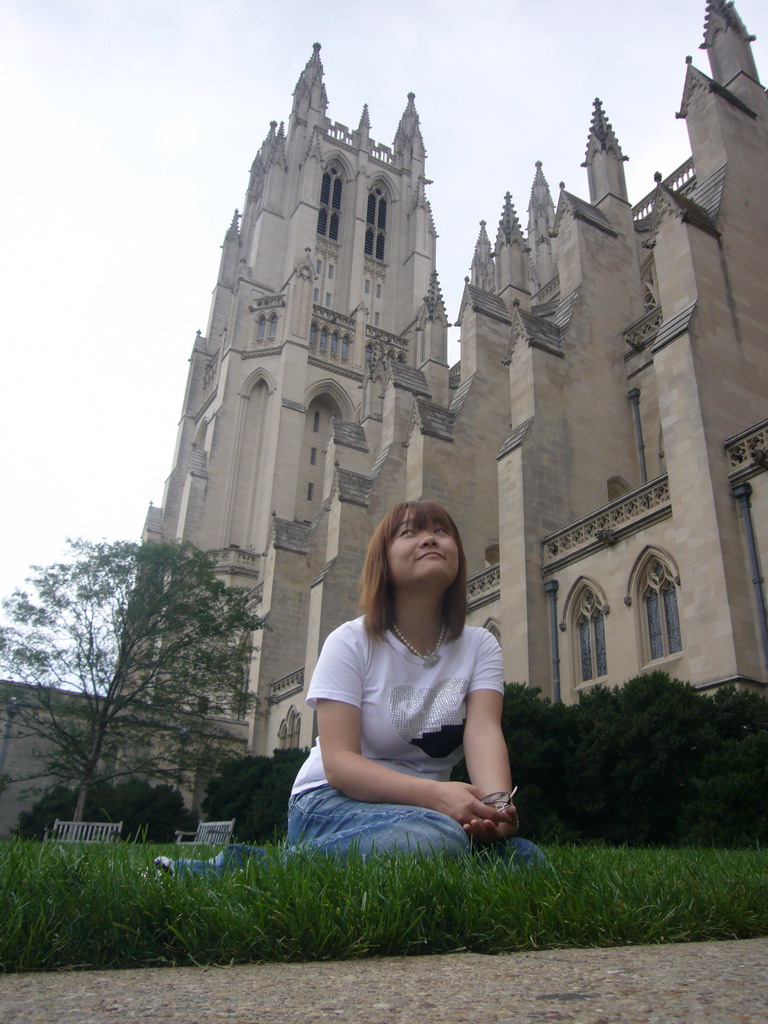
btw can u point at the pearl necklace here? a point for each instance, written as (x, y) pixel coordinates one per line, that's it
(430, 658)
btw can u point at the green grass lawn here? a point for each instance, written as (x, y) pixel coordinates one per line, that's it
(104, 906)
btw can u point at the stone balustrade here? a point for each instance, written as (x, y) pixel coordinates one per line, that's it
(681, 180)
(606, 526)
(286, 686)
(483, 587)
(747, 453)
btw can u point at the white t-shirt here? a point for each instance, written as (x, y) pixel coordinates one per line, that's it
(412, 717)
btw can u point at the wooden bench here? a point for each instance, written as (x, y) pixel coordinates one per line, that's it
(84, 831)
(209, 833)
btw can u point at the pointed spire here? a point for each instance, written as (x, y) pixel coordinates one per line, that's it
(233, 230)
(482, 270)
(278, 146)
(261, 163)
(509, 226)
(604, 159)
(541, 209)
(602, 138)
(365, 120)
(230, 253)
(310, 93)
(408, 143)
(541, 223)
(433, 300)
(728, 43)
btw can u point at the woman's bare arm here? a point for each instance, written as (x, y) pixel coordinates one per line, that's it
(362, 779)
(485, 751)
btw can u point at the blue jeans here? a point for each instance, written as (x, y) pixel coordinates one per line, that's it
(327, 821)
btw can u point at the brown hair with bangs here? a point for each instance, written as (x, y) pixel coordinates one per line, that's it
(376, 602)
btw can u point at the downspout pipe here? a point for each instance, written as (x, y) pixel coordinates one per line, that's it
(551, 588)
(742, 493)
(634, 397)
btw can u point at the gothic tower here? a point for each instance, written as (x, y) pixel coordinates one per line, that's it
(324, 284)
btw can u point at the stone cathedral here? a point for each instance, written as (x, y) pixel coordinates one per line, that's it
(602, 442)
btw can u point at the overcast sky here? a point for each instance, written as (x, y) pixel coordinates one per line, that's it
(129, 130)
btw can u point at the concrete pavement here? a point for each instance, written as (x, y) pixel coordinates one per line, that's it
(696, 983)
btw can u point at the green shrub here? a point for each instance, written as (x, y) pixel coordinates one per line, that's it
(651, 762)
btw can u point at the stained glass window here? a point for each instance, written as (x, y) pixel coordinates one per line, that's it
(590, 622)
(663, 620)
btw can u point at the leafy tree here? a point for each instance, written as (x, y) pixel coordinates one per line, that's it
(151, 812)
(129, 652)
(255, 790)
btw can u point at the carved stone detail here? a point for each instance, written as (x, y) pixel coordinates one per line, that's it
(609, 524)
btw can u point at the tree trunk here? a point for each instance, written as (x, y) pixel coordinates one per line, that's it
(82, 796)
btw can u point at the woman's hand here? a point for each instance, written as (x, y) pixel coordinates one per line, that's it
(483, 832)
(464, 803)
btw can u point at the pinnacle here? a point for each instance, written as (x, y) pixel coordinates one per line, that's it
(721, 16)
(311, 78)
(509, 225)
(233, 232)
(365, 120)
(482, 243)
(601, 132)
(408, 131)
(409, 122)
(434, 296)
(540, 187)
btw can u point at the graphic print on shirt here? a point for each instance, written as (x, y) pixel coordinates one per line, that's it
(432, 719)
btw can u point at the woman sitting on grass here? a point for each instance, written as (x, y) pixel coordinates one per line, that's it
(397, 693)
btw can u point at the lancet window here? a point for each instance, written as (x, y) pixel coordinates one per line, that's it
(289, 730)
(329, 214)
(662, 620)
(266, 328)
(589, 622)
(330, 344)
(376, 224)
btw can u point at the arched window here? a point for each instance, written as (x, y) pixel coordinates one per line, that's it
(289, 730)
(335, 344)
(316, 421)
(589, 620)
(262, 328)
(330, 204)
(324, 340)
(313, 336)
(493, 628)
(273, 325)
(658, 591)
(345, 347)
(376, 221)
